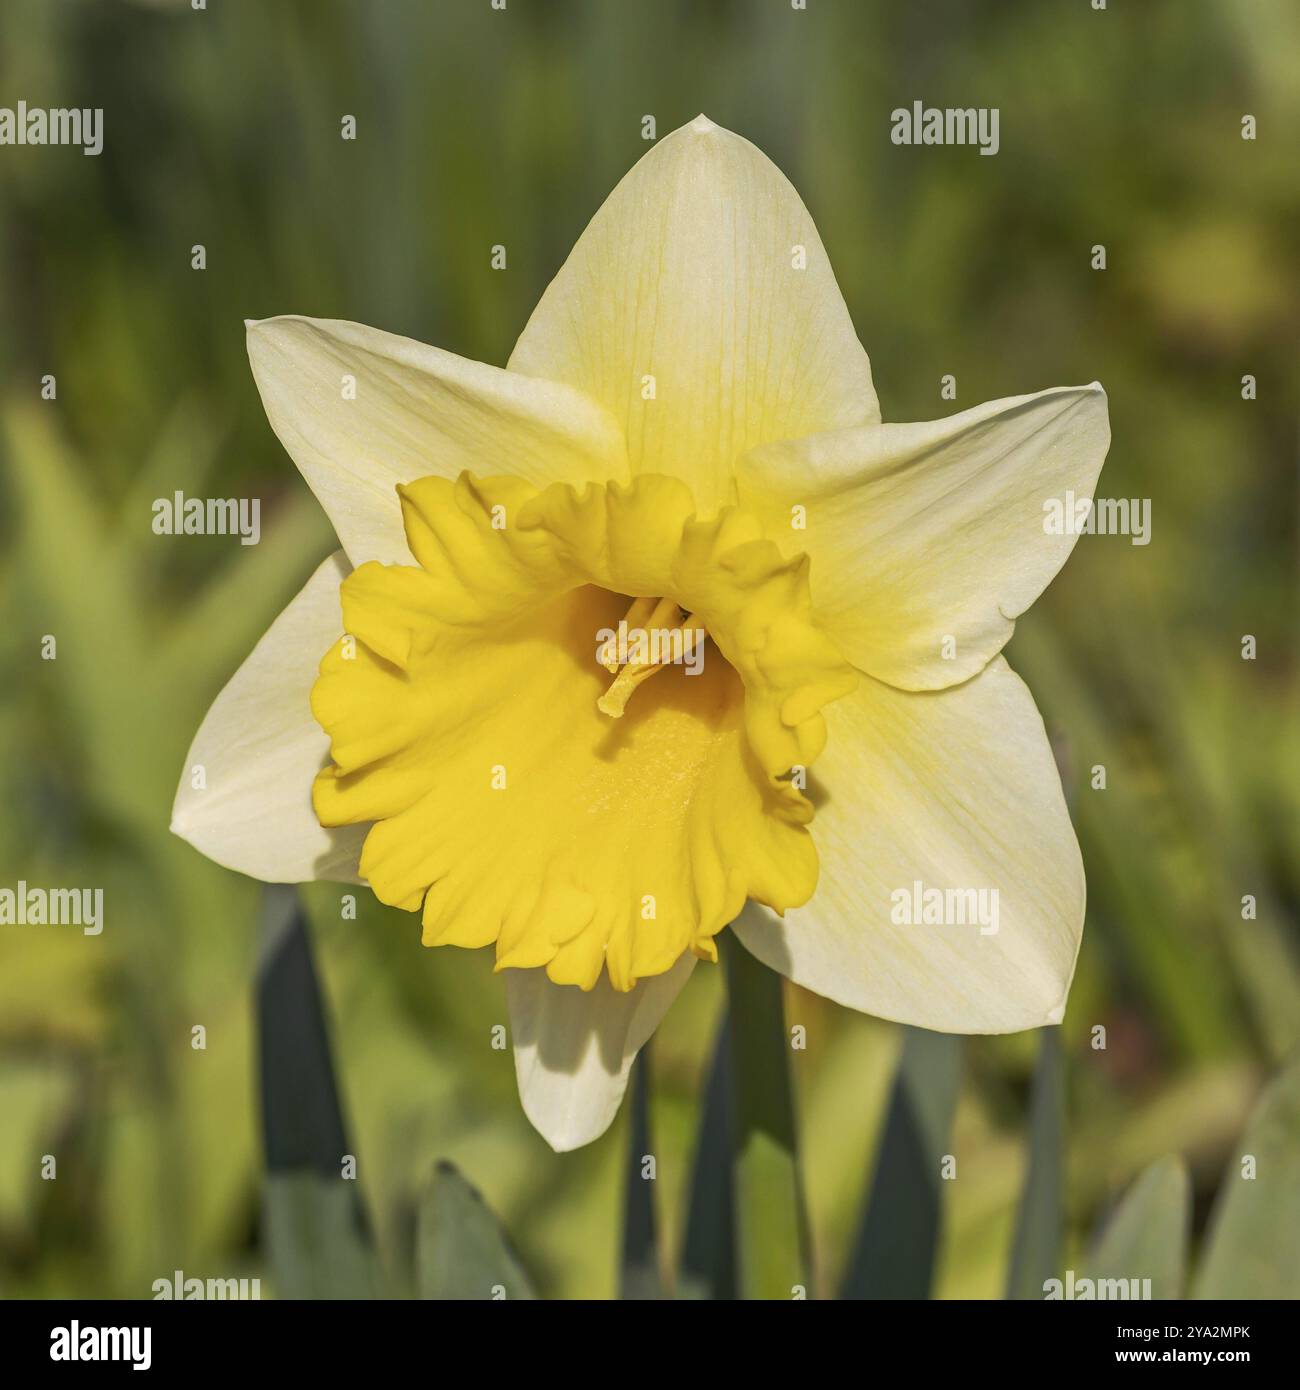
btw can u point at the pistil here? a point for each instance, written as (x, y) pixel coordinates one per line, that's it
(658, 620)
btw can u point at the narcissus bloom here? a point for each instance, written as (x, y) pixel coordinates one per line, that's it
(685, 446)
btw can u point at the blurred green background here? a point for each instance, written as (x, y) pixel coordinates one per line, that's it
(475, 127)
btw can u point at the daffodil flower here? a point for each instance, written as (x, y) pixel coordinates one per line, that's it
(686, 436)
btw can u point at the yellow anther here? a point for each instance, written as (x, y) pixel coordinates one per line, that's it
(614, 701)
(654, 622)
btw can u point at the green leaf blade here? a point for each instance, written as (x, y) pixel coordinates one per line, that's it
(1036, 1252)
(315, 1226)
(771, 1230)
(897, 1244)
(1253, 1249)
(1146, 1236)
(462, 1253)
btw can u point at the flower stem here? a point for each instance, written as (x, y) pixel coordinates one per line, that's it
(771, 1226)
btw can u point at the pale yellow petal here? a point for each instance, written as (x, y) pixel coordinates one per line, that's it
(259, 748)
(949, 790)
(361, 411)
(702, 280)
(575, 1048)
(928, 532)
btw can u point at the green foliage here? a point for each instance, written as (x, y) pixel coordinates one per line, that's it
(315, 1245)
(708, 1258)
(639, 1274)
(315, 1230)
(1253, 1249)
(462, 1251)
(771, 1225)
(1035, 1255)
(1146, 1237)
(898, 1241)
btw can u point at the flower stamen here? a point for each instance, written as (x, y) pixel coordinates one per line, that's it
(655, 622)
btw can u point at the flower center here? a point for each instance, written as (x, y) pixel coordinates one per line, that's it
(513, 795)
(659, 632)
